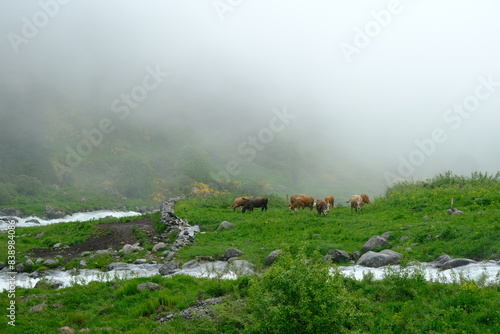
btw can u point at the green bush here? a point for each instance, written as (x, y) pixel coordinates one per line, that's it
(299, 296)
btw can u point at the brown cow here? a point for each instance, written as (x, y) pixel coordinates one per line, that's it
(365, 198)
(257, 202)
(301, 201)
(356, 203)
(240, 201)
(329, 202)
(322, 207)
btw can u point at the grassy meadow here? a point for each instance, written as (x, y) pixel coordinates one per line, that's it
(297, 294)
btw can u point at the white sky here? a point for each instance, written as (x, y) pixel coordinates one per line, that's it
(231, 59)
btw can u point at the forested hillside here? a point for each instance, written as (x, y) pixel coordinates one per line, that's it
(69, 150)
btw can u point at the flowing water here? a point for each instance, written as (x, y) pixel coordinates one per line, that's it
(76, 217)
(484, 272)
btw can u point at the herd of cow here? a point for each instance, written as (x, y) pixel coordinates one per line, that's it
(301, 201)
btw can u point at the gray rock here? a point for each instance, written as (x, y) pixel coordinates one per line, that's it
(66, 330)
(159, 246)
(52, 212)
(273, 256)
(33, 221)
(438, 263)
(11, 212)
(83, 263)
(225, 225)
(386, 235)
(51, 284)
(338, 256)
(374, 243)
(140, 261)
(37, 308)
(169, 255)
(191, 264)
(232, 252)
(104, 251)
(19, 267)
(453, 212)
(117, 266)
(356, 255)
(50, 262)
(2, 265)
(57, 245)
(456, 263)
(29, 262)
(169, 268)
(403, 238)
(380, 259)
(150, 286)
(129, 249)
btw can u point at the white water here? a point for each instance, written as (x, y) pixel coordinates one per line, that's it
(217, 269)
(487, 273)
(76, 217)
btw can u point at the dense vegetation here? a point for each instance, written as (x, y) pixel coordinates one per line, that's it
(298, 294)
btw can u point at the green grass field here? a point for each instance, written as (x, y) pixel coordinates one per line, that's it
(297, 294)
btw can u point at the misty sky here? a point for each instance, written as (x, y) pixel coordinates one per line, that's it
(398, 89)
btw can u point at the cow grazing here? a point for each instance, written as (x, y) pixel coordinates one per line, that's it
(301, 201)
(240, 201)
(329, 202)
(356, 203)
(322, 207)
(257, 202)
(365, 198)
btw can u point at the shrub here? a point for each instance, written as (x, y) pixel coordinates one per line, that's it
(297, 296)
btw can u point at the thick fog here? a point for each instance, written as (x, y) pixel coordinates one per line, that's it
(377, 91)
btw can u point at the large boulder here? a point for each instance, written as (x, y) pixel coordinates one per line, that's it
(438, 263)
(338, 256)
(374, 243)
(51, 212)
(10, 212)
(169, 268)
(380, 259)
(456, 263)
